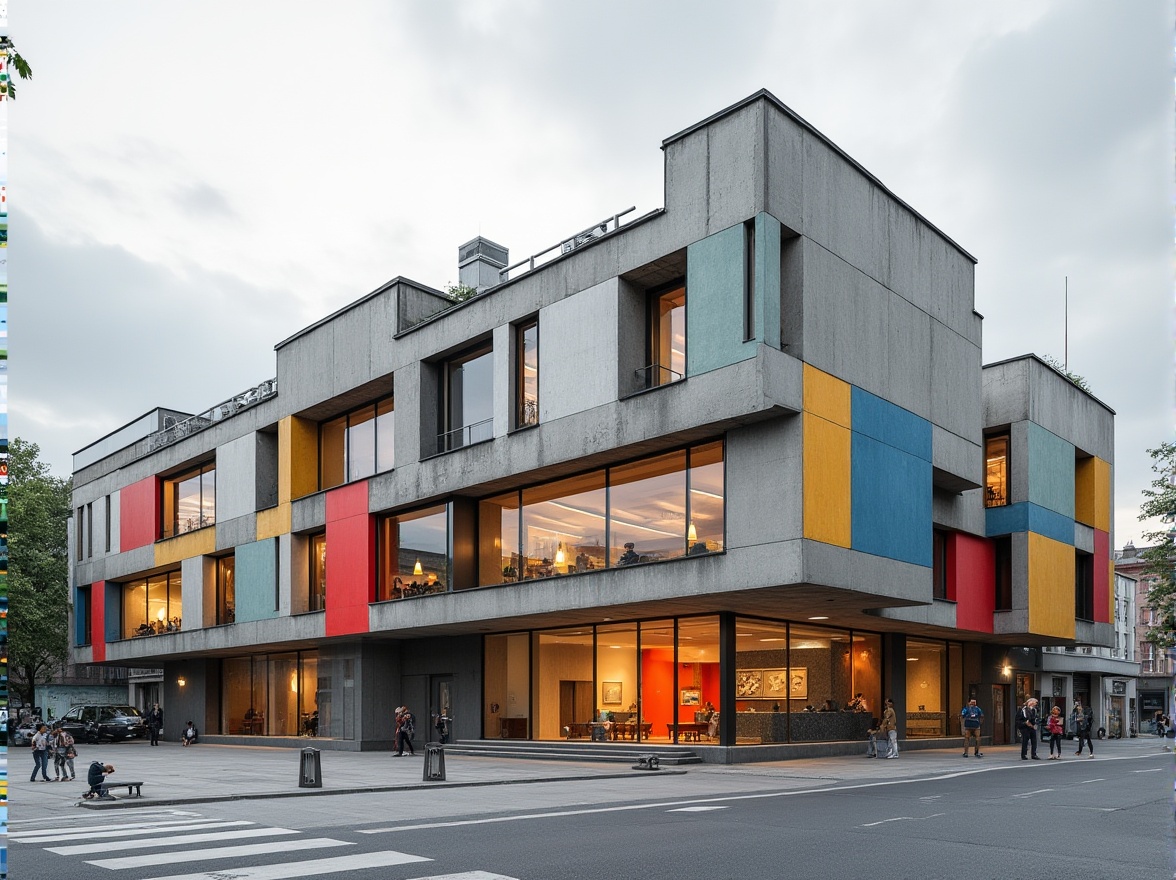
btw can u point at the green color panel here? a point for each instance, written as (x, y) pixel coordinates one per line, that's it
(1051, 471)
(767, 279)
(714, 303)
(256, 578)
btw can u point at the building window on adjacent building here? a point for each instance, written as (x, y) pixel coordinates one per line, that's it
(413, 553)
(89, 531)
(939, 564)
(996, 471)
(85, 617)
(107, 523)
(357, 444)
(226, 590)
(151, 606)
(657, 508)
(1083, 585)
(318, 572)
(189, 500)
(467, 405)
(80, 532)
(667, 338)
(527, 375)
(1003, 588)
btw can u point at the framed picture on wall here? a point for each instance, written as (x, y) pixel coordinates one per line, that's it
(690, 697)
(610, 693)
(748, 683)
(776, 683)
(798, 683)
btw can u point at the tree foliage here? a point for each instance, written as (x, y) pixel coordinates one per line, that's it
(1080, 381)
(1160, 558)
(19, 64)
(460, 292)
(38, 569)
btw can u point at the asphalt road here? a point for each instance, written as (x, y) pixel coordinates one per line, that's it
(1073, 819)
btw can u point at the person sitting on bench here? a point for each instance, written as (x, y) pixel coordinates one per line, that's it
(97, 779)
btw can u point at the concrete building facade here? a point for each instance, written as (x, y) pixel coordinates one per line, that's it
(739, 452)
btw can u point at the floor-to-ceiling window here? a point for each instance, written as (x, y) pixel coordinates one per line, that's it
(507, 672)
(563, 683)
(468, 401)
(926, 678)
(270, 694)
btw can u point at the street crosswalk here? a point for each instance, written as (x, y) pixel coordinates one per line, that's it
(191, 839)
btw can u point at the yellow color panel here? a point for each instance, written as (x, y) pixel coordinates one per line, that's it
(273, 522)
(198, 543)
(1092, 493)
(826, 482)
(826, 396)
(1051, 587)
(297, 458)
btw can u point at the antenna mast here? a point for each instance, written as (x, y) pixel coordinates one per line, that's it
(1066, 322)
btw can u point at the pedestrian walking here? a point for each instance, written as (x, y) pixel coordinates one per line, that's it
(1082, 720)
(1027, 721)
(971, 720)
(1056, 728)
(889, 727)
(63, 755)
(405, 728)
(155, 723)
(40, 745)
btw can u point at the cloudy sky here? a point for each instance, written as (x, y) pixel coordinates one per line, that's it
(191, 183)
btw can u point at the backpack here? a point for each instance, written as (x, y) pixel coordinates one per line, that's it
(406, 725)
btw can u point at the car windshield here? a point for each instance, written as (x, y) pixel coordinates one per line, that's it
(125, 710)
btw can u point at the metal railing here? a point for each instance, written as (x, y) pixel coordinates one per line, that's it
(593, 232)
(654, 376)
(178, 430)
(465, 435)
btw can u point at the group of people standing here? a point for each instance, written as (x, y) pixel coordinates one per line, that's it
(58, 743)
(1029, 721)
(887, 729)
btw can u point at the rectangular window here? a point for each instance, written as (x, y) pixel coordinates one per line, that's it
(413, 553)
(89, 531)
(152, 606)
(1083, 585)
(527, 375)
(647, 510)
(357, 444)
(85, 617)
(226, 592)
(189, 500)
(939, 564)
(996, 471)
(318, 572)
(667, 337)
(749, 280)
(1004, 574)
(80, 532)
(107, 523)
(468, 405)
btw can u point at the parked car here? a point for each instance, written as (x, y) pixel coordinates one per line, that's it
(22, 733)
(95, 723)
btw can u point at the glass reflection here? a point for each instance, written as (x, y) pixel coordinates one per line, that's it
(647, 510)
(563, 526)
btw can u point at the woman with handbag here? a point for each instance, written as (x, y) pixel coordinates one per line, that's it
(1054, 725)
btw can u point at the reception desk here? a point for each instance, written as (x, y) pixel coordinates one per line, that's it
(773, 727)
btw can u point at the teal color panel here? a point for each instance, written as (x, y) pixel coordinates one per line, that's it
(767, 279)
(1027, 517)
(890, 424)
(714, 303)
(1051, 472)
(256, 579)
(891, 502)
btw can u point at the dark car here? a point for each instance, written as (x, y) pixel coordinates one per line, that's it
(96, 723)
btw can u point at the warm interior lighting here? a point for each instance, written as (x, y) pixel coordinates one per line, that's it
(294, 682)
(160, 615)
(560, 556)
(910, 659)
(181, 681)
(692, 533)
(819, 617)
(1006, 671)
(417, 570)
(432, 578)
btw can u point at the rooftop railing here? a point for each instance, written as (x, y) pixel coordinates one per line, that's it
(593, 232)
(175, 430)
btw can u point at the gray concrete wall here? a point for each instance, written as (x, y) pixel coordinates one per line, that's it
(236, 478)
(578, 352)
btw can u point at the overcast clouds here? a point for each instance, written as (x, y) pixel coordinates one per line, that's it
(191, 183)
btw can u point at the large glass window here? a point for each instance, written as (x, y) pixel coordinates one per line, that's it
(564, 685)
(189, 500)
(414, 553)
(996, 471)
(616, 674)
(689, 710)
(226, 590)
(468, 404)
(527, 375)
(151, 606)
(820, 681)
(650, 510)
(667, 337)
(318, 572)
(270, 695)
(357, 444)
(507, 686)
(926, 674)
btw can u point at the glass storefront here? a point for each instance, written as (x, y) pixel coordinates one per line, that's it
(926, 679)
(270, 695)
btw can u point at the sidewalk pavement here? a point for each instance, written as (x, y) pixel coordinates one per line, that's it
(205, 773)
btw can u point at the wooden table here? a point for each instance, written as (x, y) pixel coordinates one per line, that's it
(687, 730)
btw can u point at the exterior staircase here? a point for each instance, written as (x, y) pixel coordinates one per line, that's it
(575, 750)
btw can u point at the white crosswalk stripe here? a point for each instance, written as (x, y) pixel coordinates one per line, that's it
(100, 830)
(221, 852)
(60, 836)
(468, 875)
(309, 868)
(181, 840)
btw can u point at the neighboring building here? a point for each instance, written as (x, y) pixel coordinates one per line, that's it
(1155, 664)
(740, 451)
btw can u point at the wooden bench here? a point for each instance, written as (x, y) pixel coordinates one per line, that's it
(134, 789)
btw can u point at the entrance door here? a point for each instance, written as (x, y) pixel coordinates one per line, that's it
(441, 705)
(999, 724)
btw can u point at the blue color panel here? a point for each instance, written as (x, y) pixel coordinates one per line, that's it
(891, 502)
(256, 579)
(1026, 517)
(892, 425)
(1051, 472)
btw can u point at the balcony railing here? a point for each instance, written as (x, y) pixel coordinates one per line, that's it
(173, 431)
(654, 376)
(593, 232)
(466, 435)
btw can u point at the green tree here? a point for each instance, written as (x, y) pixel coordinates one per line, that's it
(38, 569)
(1160, 558)
(19, 64)
(460, 292)
(1080, 381)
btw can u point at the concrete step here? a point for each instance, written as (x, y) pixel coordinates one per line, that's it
(613, 753)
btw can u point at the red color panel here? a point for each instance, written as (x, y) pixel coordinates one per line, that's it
(971, 578)
(98, 620)
(351, 552)
(138, 514)
(1102, 574)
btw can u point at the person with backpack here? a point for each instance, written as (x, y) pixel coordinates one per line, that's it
(63, 755)
(40, 745)
(405, 728)
(1082, 721)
